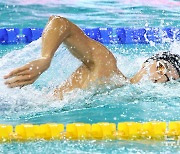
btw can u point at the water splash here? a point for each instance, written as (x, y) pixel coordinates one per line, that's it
(35, 103)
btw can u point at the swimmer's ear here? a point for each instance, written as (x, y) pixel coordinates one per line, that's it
(161, 67)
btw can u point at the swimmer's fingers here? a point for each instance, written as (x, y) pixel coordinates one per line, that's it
(20, 84)
(18, 79)
(25, 72)
(16, 71)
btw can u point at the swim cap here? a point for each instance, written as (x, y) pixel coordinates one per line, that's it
(173, 59)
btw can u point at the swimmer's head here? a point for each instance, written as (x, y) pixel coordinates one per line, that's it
(160, 68)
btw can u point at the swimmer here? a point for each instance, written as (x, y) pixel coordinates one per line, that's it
(98, 63)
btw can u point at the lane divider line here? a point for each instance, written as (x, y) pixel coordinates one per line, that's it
(103, 35)
(155, 130)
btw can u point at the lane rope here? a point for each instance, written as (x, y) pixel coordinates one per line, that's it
(103, 35)
(154, 130)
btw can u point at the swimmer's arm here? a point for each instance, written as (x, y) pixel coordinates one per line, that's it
(60, 30)
(55, 32)
(53, 35)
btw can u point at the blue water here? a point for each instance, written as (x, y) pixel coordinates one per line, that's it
(141, 102)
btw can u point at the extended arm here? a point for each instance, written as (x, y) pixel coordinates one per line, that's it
(58, 30)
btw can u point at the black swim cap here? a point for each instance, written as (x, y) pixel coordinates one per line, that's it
(173, 59)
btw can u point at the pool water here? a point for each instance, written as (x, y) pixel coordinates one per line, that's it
(140, 102)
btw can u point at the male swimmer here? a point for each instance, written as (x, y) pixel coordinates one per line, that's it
(98, 63)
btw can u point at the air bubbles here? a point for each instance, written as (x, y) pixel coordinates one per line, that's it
(123, 115)
(162, 22)
(115, 118)
(146, 24)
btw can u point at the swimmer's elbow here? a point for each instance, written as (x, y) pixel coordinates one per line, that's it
(61, 22)
(58, 18)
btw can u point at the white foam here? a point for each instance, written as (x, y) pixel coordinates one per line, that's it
(35, 97)
(175, 47)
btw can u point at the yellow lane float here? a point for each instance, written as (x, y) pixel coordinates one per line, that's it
(99, 131)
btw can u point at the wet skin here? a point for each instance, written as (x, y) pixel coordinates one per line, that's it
(98, 63)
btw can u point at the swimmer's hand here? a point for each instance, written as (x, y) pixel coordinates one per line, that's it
(28, 73)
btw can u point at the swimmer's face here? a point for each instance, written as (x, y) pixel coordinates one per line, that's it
(160, 71)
